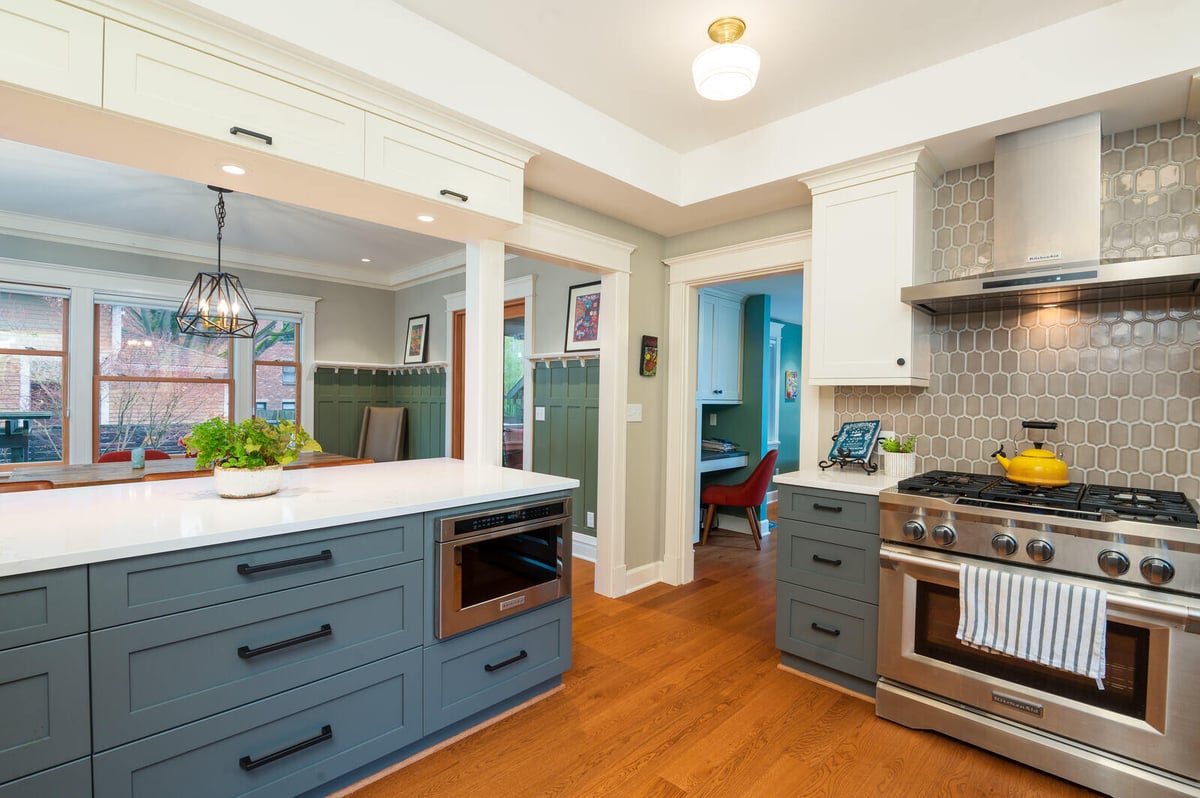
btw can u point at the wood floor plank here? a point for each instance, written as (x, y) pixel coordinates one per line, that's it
(675, 693)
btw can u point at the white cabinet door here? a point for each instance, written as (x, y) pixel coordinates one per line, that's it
(719, 367)
(402, 157)
(52, 48)
(161, 81)
(863, 252)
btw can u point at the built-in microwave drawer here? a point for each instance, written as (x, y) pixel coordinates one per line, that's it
(147, 587)
(828, 558)
(478, 669)
(43, 706)
(164, 672)
(837, 632)
(42, 606)
(279, 747)
(856, 511)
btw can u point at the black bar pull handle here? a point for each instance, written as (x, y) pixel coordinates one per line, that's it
(448, 193)
(261, 136)
(827, 508)
(245, 569)
(826, 560)
(829, 630)
(247, 763)
(493, 668)
(245, 652)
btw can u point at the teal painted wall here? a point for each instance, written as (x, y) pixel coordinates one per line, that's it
(746, 423)
(789, 409)
(566, 442)
(342, 394)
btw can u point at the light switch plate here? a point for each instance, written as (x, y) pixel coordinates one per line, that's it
(591, 520)
(712, 419)
(633, 412)
(539, 413)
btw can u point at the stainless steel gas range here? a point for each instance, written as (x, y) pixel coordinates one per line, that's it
(1140, 735)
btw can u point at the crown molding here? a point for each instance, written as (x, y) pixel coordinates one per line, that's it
(901, 162)
(570, 244)
(764, 254)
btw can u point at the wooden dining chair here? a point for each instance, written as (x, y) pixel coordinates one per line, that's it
(382, 436)
(20, 487)
(155, 476)
(748, 494)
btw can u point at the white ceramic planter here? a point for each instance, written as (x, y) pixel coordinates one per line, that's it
(899, 464)
(246, 483)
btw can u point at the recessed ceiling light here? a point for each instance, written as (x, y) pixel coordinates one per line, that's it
(365, 260)
(424, 218)
(233, 169)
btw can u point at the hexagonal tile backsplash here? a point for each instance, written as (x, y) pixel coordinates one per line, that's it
(1122, 379)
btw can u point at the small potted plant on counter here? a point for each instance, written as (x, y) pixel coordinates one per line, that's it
(899, 460)
(247, 457)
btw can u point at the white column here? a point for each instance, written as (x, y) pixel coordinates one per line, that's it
(681, 479)
(610, 468)
(483, 372)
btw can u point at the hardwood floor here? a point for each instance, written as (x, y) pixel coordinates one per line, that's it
(675, 691)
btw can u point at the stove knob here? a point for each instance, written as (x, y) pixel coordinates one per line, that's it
(1156, 571)
(1039, 550)
(945, 535)
(914, 530)
(1004, 545)
(1113, 563)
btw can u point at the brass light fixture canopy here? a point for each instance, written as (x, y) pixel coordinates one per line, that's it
(726, 29)
(216, 306)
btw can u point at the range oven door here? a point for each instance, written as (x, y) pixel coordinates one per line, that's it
(1147, 711)
(488, 576)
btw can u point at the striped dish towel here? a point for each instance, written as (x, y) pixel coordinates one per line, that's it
(1040, 620)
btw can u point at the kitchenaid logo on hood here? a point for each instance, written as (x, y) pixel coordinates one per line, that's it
(1044, 258)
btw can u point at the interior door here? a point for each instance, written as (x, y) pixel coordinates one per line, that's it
(513, 434)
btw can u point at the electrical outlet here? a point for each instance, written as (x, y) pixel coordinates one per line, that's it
(712, 419)
(591, 520)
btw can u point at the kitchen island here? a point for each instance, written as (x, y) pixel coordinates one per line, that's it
(157, 639)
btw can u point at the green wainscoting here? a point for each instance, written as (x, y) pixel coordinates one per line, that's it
(342, 394)
(566, 443)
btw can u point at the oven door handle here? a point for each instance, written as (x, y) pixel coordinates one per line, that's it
(1180, 615)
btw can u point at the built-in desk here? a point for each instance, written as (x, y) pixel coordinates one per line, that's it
(722, 461)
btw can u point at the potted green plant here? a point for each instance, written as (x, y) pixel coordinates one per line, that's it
(247, 457)
(899, 459)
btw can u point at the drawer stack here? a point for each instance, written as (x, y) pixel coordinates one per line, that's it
(827, 613)
(44, 724)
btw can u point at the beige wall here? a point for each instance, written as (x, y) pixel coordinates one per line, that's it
(777, 223)
(427, 298)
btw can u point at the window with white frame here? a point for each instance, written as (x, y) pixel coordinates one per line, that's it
(276, 395)
(33, 363)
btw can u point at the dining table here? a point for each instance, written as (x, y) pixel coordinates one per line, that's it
(14, 431)
(83, 474)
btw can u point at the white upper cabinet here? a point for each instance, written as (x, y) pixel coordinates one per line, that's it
(412, 160)
(52, 48)
(719, 368)
(871, 237)
(158, 80)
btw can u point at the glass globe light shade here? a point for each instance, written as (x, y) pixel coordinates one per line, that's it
(725, 71)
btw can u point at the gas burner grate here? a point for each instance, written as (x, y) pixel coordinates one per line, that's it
(1065, 497)
(1141, 504)
(946, 483)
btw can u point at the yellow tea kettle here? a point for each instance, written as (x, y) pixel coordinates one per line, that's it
(1037, 466)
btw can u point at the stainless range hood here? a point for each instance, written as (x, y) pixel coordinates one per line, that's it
(1047, 233)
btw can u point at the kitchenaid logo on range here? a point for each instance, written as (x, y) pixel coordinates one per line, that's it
(1016, 703)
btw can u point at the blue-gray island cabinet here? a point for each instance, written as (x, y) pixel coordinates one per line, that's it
(280, 665)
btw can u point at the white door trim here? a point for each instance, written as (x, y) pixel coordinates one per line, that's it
(688, 273)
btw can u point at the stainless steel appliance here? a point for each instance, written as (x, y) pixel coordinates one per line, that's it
(1138, 736)
(499, 562)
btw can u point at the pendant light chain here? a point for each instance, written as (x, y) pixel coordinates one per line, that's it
(220, 211)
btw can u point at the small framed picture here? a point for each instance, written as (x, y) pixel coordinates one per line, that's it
(583, 318)
(649, 364)
(417, 342)
(791, 379)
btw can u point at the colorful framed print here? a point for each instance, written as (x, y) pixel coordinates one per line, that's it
(583, 318)
(417, 341)
(791, 379)
(649, 364)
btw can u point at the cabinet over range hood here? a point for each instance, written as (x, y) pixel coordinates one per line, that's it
(1047, 233)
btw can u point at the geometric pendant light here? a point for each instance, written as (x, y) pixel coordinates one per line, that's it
(215, 305)
(727, 70)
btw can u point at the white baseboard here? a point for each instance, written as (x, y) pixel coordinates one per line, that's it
(738, 523)
(583, 546)
(642, 576)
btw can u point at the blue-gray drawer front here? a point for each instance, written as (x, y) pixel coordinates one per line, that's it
(856, 511)
(42, 606)
(152, 675)
(43, 706)
(833, 631)
(66, 781)
(147, 587)
(829, 558)
(458, 682)
(371, 711)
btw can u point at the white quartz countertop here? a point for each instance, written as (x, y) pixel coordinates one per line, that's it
(45, 529)
(851, 480)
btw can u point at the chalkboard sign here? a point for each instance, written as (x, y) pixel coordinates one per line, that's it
(855, 441)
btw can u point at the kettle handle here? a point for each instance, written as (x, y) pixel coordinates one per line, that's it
(1039, 424)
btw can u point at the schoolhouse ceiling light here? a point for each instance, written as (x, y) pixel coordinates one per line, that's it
(726, 70)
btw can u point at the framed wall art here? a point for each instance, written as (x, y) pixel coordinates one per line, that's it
(583, 318)
(417, 341)
(649, 364)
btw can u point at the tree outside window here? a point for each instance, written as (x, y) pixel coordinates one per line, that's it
(276, 394)
(33, 334)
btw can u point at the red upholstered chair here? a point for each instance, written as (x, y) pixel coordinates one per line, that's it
(748, 494)
(125, 456)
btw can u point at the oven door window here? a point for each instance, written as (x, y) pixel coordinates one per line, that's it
(1127, 655)
(495, 567)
